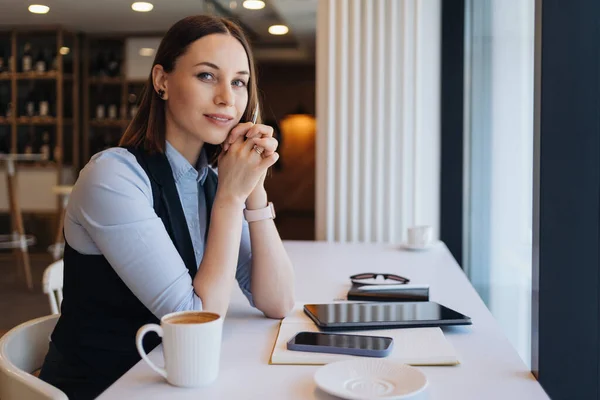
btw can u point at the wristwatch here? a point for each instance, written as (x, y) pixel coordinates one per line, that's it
(262, 213)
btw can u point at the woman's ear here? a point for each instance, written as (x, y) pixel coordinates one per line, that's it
(159, 79)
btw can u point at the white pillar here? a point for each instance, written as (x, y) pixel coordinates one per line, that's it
(378, 118)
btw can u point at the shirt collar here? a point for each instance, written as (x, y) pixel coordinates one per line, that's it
(182, 167)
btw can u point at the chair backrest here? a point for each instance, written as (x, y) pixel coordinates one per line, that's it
(22, 351)
(52, 284)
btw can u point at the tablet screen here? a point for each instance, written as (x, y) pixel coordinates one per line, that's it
(384, 314)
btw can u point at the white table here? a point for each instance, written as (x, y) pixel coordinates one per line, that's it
(490, 367)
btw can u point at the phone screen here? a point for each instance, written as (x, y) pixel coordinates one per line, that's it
(343, 341)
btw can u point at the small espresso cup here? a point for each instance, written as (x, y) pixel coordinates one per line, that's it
(191, 347)
(420, 236)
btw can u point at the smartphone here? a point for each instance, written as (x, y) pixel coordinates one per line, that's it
(356, 345)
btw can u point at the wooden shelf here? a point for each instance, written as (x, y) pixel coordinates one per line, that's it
(108, 123)
(28, 76)
(67, 135)
(27, 121)
(22, 76)
(106, 80)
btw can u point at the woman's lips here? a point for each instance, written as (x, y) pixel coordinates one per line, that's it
(219, 119)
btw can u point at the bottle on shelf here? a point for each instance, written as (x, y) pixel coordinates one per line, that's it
(113, 67)
(101, 105)
(27, 60)
(30, 104)
(133, 107)
(112, 110)
(45, 147)
(40, 63)
(43, 104)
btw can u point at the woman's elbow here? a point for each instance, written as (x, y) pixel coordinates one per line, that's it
(277, 310)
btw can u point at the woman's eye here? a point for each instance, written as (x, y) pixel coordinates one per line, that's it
(239, 83)
(205, 76)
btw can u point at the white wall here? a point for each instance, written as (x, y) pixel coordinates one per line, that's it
(138, 66)
(378, 118)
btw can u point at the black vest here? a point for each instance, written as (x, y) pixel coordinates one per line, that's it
(100, 316)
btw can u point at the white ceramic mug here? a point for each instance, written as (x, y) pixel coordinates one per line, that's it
(191, 347)
(420, 236)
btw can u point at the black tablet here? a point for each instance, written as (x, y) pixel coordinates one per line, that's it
(344, 316)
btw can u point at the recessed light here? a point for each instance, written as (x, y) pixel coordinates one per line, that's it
(142, 6)
(146, 52)
(254, 4)
(278, 29)
(38, 9)
(64, 50)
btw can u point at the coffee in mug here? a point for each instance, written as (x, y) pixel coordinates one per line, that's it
(191, 347)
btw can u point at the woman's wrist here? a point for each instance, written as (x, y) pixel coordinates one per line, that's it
(224, 200)
(257, 199)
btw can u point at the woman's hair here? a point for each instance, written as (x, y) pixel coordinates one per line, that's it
(148, 126)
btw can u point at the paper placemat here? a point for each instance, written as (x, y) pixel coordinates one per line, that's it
(414, 346)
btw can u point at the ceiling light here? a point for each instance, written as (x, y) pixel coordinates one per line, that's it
(278, 29)
(254, 4)
(38, 9)
(233, 4)
(142, 6)
(146, 52)
(64, 50)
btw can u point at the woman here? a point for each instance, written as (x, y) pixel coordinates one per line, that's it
(150, 230)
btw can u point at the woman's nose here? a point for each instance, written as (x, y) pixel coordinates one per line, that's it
(224, 95)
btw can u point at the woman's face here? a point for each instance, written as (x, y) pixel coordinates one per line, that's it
(207, 90)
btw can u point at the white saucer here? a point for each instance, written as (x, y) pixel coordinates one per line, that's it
(411, 247)
(370, 378)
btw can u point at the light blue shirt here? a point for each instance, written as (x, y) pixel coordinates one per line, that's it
(110, 212)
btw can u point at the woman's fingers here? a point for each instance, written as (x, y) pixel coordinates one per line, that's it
(259, 130)
(239, 131)
(249, 130)
(269, 161)
(268, 144)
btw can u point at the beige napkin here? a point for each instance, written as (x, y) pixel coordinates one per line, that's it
(414, 346)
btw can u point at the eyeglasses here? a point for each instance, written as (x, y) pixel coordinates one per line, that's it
(358, 278)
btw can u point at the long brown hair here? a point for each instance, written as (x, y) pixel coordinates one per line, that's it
(148, 126)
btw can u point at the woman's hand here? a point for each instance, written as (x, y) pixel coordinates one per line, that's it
(241, 168)
(261, 136)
